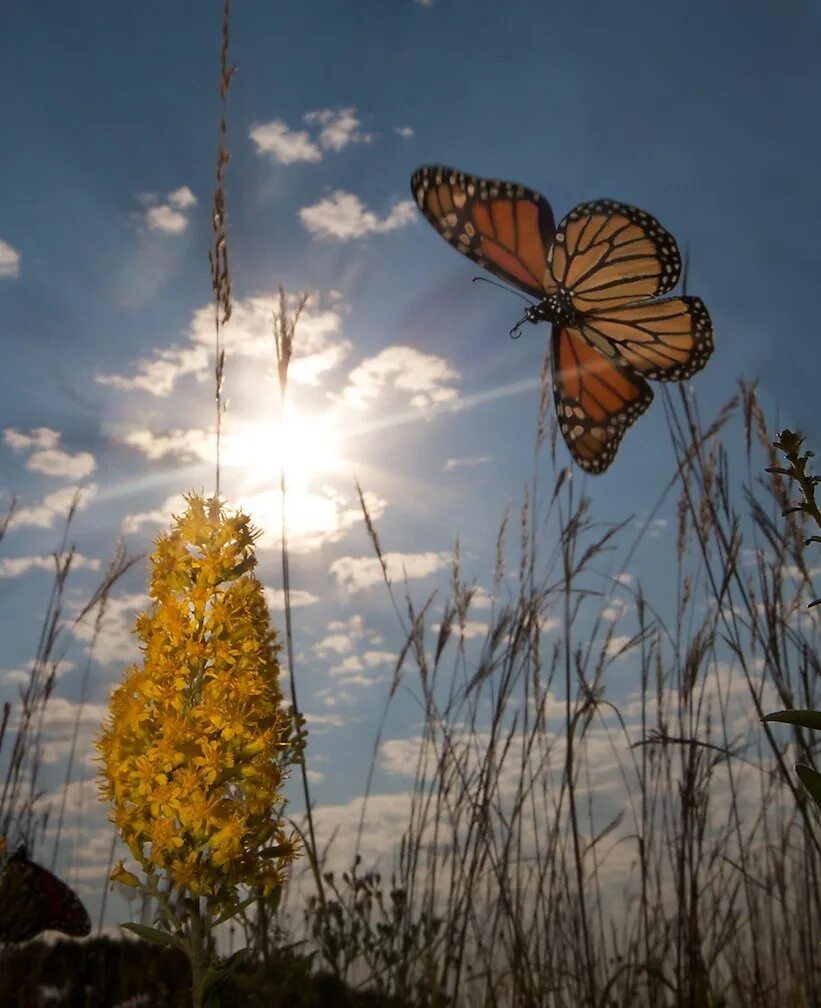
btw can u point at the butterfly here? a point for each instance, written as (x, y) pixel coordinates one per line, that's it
(33, 900)
(596, 278)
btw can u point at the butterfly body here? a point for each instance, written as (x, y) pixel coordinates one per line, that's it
(557, 310)
(596, 278)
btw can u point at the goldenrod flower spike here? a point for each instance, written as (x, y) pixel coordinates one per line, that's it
(197, 743)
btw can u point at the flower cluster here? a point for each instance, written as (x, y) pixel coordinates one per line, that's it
(197, 742)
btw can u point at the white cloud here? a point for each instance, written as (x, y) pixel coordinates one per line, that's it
(315, 517)
(424, 377)
(356, 573)
(616, 644)
(317, 348)
(374, 658)
(182, 198)
(53, 506)
(47, 458)
(275, 597)
(159, 516)
(615, 609)
(284, 145)
(157, 375)
(342, 216)
(9, 261)
(472, 629)
(166, 214)
(339, 128)
(182, 444)
(114, 641)
(466, 463)
(165, 218)
(403, 131)
(39, 437)
(62, 464)
(15, 566)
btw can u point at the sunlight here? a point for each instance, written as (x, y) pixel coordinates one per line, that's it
(309, 448)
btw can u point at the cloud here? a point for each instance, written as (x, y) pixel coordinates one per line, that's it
(356, 573)
(53, 506)
(167, 214)
(47, 458)
(15, 566)
(423, 377)
(9, 261)
(159, 516)
(617, 644)
(182, 198)
(342, 216)
(472, 629)
(283, 144)
(614, 610)
(343, 645)
(466, 463)
(157, 375)
(275, 597)
(339, 128)
(287, 146)
(114, 642)
(61, 718)
(317, 350)
(403, 131)
(181, 444)
(316, 517)
(40, 438)
(164, 218)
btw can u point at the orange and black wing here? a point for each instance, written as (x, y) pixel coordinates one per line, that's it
(666, 340)
(504, 227)
(608, 254)
(597, 398)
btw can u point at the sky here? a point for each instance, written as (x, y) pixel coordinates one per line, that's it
(403, 377)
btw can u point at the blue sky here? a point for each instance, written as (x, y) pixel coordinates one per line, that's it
(703, 114)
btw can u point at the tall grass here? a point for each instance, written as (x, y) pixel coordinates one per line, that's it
(509, 886)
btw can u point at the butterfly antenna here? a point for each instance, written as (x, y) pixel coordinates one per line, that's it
(502, 287)
(686, 268)
(516, 331)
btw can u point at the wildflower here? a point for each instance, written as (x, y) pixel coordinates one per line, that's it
(197, 742)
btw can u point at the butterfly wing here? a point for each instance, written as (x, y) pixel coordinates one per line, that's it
(666, 340)
(33, 900)
(609, 260)
(504, 227)
(608, 254)
(597, 398)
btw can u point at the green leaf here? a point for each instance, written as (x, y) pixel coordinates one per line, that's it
(154, 935)
(802, 718)
(811, 781)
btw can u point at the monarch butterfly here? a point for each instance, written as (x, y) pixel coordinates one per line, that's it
(595, 277)
(33, 900)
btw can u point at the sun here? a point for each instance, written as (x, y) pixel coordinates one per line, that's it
(308, 446)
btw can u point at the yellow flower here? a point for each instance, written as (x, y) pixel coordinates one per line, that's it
(197, 743)
(121, 874)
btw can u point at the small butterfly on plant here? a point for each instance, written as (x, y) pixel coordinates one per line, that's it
(33, 900)
(595, 276)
